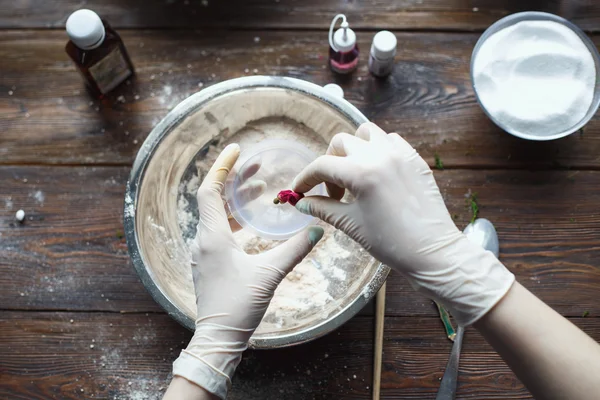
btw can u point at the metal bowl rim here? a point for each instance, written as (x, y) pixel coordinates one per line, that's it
(147, 150)
(539, 16)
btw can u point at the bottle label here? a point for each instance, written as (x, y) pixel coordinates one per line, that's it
(380, 68)
(110, 71)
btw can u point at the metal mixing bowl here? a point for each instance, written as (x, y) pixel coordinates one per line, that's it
(540, 16)
(156, 244)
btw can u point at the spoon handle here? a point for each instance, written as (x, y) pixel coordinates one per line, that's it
(447, 389)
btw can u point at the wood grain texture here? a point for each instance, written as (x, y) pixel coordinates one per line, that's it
(45, 356)
(285, 14)
(47, 117)
(70, 252)
(69, 255)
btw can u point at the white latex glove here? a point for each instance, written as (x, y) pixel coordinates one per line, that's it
(233, 289)
(399, 216)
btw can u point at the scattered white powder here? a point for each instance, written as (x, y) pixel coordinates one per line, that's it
(168, 98)
(183, 216)
(535, 78)
(140, 389)
(338, 273)
(129, 207)
(38, 196)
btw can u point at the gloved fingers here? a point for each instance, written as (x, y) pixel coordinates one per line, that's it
(343, 144)
(250, 190)
(217, 175)
(246, 193)
(234, 225)
(402, 144)
(289, 254)
(248, 171)
(328, 169)
(210, 205)
(370, 132)
(408, 152)
(326, 209)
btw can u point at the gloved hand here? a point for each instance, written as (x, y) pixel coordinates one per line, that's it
(233, 289)
(399, 216)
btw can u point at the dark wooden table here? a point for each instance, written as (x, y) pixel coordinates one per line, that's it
(75, 322)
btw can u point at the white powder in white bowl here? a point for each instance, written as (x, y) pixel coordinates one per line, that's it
(535, 78)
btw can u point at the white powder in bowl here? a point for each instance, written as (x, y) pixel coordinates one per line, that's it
(535, 78)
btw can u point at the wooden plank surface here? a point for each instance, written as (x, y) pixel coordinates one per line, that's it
(46, 117)
(69, 254)
(65, 158)
(45, 355)
(299, 14)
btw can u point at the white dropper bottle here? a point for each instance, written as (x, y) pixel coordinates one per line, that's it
(343, 50)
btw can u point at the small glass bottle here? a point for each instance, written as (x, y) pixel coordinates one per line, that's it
(381, 57)
(98, 52)
(343, 50)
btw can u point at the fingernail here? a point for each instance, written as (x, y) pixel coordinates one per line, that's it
(303, 207)
(315, 233)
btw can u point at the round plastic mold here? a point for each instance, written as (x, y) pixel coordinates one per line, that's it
(264, 170)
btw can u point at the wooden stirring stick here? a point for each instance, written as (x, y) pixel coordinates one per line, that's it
(379, 323)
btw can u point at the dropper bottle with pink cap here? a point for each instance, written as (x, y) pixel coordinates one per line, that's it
(343, 50)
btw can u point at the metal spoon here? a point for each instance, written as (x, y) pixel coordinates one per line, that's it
(482, 232)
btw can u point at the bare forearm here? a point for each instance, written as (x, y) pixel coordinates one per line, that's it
(182, 389)
(551, 356)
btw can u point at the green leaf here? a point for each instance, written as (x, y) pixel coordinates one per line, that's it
(438, 161)
(473, 206)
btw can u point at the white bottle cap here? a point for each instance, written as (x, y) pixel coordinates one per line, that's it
(334, 89)
(344, 38)
(384, 45)
(85, 29)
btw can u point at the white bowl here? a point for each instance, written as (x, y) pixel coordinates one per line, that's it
(540, 16)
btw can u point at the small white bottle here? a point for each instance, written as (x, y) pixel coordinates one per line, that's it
(381, 57)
